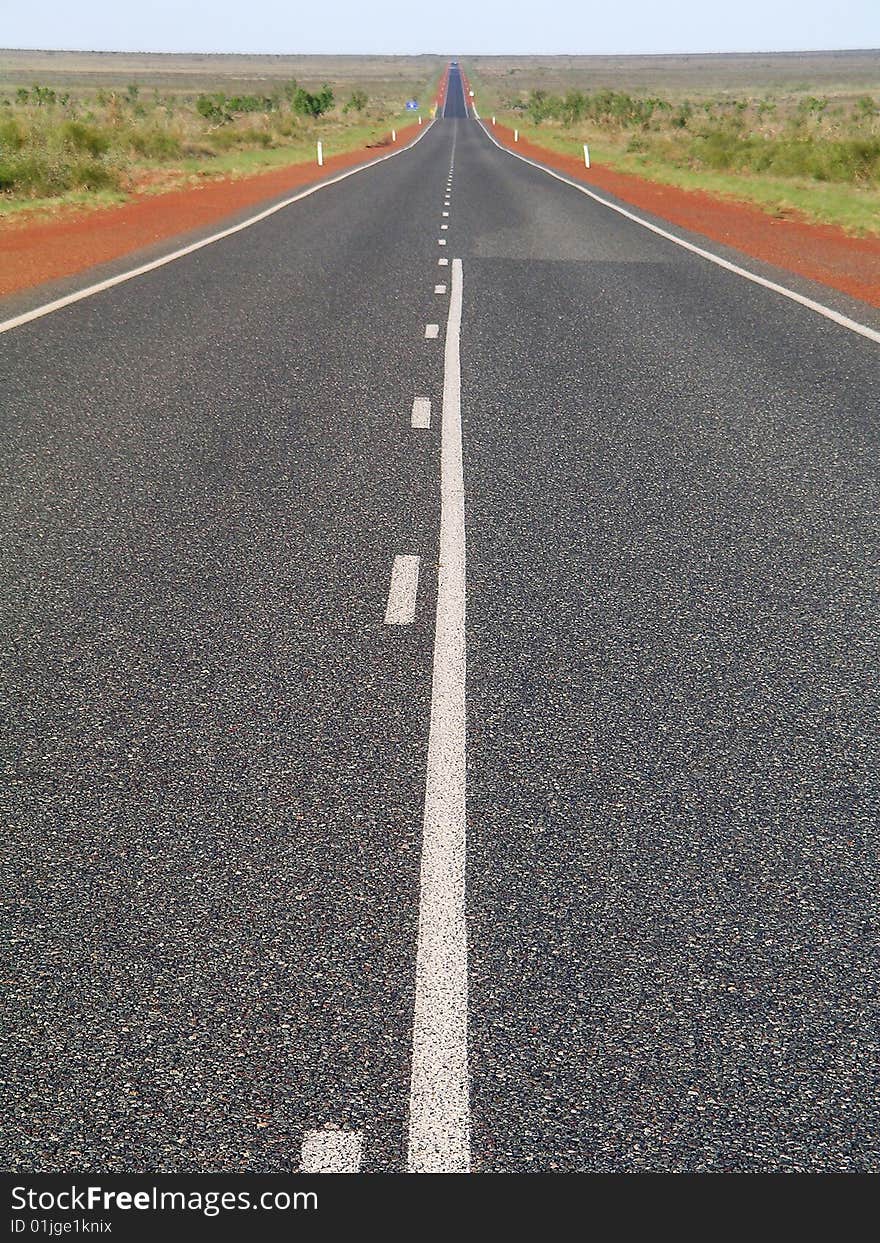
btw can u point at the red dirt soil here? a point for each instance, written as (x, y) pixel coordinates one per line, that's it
(820, 252)
(33, 252)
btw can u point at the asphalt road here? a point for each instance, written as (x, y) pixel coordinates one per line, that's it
(217, 747)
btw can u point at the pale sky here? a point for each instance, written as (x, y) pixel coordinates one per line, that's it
(452, 26)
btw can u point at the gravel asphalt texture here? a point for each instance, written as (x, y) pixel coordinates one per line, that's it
(215, 749)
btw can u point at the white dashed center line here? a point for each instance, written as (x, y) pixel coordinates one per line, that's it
(331, 1152)
(439, 289)
(421, 412)
(442, 263)
(439, 1108)
(431, 331)
(401, 607)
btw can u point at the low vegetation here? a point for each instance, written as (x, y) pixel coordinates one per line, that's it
(812, 139)
(60, 144)
(819, 154)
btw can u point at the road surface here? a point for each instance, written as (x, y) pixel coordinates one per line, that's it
(484, 782)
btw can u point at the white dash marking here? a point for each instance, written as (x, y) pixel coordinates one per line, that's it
(331, 1152)
(439, 1109)
(442, 263)
(431, 331)
(401, 607)
(439, 289)
(421, 412)
(446, 213)
(441, 241)
(444, 226)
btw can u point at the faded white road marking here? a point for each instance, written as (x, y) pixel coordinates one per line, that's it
(439, 289)
(431, 331)
(421, 412)
(47, 308)
(401, 607)
(331, 1152)
(439, 1109)
(843, 320)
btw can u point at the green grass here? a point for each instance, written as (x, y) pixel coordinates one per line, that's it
(243, 162)
(18, 208)
(62, 147)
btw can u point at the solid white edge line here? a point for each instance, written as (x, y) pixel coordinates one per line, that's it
(331, 1152)
(439, 1108)
(90, 290)
(843, 320)
(421, 413)
(402, 592)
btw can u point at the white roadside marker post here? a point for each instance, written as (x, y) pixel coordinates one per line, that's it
(516, 135)
(420, 120)
(586, 155)
(320, 153)
(394, 135)
(493, 120)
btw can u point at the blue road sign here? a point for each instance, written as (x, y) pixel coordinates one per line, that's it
(412, 104)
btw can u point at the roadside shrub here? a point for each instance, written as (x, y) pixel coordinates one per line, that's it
(92, 175)
(356, 102)
(250, 103)
(85, 138)
(845, 160)
(213, 108)
(227, 139)
(306, 104)
(42, 175)
(538, 107)
(43, 95)
(154, 143)
(11, 136)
